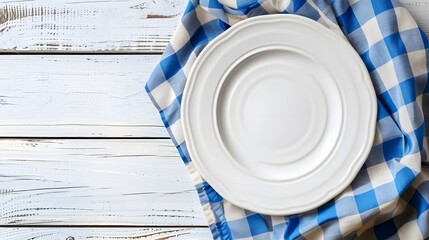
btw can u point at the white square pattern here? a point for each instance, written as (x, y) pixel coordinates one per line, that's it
(379, 174)
(418, 62)
(404, 119)
(180, 37)
(163, 94)
(372, 31)
(349, 223)
(410, 230)
(233, 212)
(402, 13)
(388, 75)
(177, 131)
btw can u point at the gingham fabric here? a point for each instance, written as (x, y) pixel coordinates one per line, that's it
(389, 198)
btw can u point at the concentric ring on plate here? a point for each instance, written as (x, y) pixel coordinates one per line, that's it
(296, 109)
(278, 114)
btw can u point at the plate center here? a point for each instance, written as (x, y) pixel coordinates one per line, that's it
(271, 110)
(277, 111)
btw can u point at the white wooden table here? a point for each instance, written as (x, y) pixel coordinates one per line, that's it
(83, 153)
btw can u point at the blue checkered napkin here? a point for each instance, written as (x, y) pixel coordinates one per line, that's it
(389, 198)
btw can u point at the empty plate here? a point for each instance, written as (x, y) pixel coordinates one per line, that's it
(279, 114)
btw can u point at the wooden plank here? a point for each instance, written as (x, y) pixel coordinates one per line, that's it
(104, 233)
(101, 182)
(88, 25)
(94, 25)
(77, 96)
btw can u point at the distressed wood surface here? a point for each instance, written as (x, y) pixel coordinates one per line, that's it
(89, 25)
(94, 25)
(104, 233)
(77, 96)
(95, 182)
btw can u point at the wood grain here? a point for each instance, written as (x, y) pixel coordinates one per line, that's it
(95, 182)
(77, 96)
(99, 25)
(104, 233)
(88, 25)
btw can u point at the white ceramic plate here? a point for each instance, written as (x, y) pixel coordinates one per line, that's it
(279, 114)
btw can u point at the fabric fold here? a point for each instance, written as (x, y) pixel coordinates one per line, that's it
(389, 198)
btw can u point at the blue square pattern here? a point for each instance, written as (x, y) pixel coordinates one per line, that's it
(210, 195)
(199, 37)
(403, 179)
(349, 21)
(396, 96)
(295, 6)
(308, 221)
(385, 192)
(389, 102)
(423, 195)
(190, 22)
(364, 199)
(177, 83)
(424, 39)
(184, 53)
(253, 10)
(379, 54)
(373, 157)
(327, 213)
(393, 148)
(268, 222)
(365, 10)
(402, 68)
(278, 230)
(359, 40)
(307, 10)
(239, 228)
(410, 41)
(419, 202)
(183, 152)
(168, 51)
(420, 84)
(292, 229)
(331, 230)
(385, 230)
(422, 222)
(259, 222)
(381, 6)
(211, 4)
(171, 113)
(215, 28)
(170, 66)
(395, 45)
(189, 8)
(419, 135)
(387, 22)
(361, 183)
(158, 78)
(346, 207)
(382, 112)
(339, 7)
(367, 59)
(395, 167)
(378, 84)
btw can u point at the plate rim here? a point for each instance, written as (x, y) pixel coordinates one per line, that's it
(353, 168)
